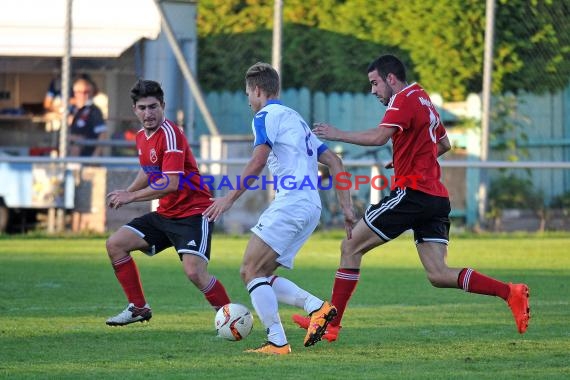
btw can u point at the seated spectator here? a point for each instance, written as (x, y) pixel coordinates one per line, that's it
(88, 122)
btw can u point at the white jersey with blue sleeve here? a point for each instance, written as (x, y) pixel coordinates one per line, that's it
(294, 151)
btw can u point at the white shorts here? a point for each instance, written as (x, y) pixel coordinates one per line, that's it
(286, 226)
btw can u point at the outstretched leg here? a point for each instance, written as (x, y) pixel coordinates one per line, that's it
(433, 257)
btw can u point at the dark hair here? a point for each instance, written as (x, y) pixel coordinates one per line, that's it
(264, 76)
(87, 77)
(386, 64)
(144, 88)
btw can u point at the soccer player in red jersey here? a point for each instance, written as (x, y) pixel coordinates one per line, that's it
(420, 204)
(164, 156)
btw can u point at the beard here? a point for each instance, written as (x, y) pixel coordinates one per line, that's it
(390, 93)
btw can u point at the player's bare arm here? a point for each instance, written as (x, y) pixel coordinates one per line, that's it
(162, 186)
(140, 181)
(334, 163)
(253, 168)
(443, 145)
(371, 137)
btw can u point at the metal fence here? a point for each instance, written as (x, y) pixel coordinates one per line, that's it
(466, 202)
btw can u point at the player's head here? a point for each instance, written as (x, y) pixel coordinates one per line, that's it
(148, 103)
(388, 64)
(387, 75)
(82, 91)
(144, 88)
(261, 83)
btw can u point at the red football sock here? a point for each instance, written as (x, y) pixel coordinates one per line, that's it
(128, 275)
(345, 282)
(216, 294)
(475, 282)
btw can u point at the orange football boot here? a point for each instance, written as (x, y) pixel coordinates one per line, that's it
(318, 323)
(272, 349)
(518, 302)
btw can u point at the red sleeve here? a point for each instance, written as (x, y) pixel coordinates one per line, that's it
(398, 114)
(173, 159)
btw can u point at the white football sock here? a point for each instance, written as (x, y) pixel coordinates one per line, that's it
(290, 293)
(265, 304)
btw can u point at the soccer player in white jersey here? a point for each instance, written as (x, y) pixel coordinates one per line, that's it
(284, 142)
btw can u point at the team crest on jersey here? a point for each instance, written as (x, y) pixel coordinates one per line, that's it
(153, 156)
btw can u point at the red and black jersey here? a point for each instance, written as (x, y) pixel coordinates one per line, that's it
(166, 151)
(415, 142)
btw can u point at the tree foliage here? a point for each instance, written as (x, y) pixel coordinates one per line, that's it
(224, 59)
(535, 40)
(327, 44)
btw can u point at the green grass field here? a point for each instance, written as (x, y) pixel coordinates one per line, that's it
(55, 295)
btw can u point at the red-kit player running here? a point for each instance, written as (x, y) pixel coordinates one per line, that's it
(164, 156)
(420, 203)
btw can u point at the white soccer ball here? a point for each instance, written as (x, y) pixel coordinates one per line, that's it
(233, 321)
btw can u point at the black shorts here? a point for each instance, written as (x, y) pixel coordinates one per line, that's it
(404, 209)
(190, 235)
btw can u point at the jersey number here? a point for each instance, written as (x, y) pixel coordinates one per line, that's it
(307, 138)
(433, 124)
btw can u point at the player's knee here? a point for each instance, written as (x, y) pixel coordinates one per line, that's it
(245, 273)
(114, 249)
(345, 249)
(348, 249)
(196, 270)
(194, 275)
(349, 257)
